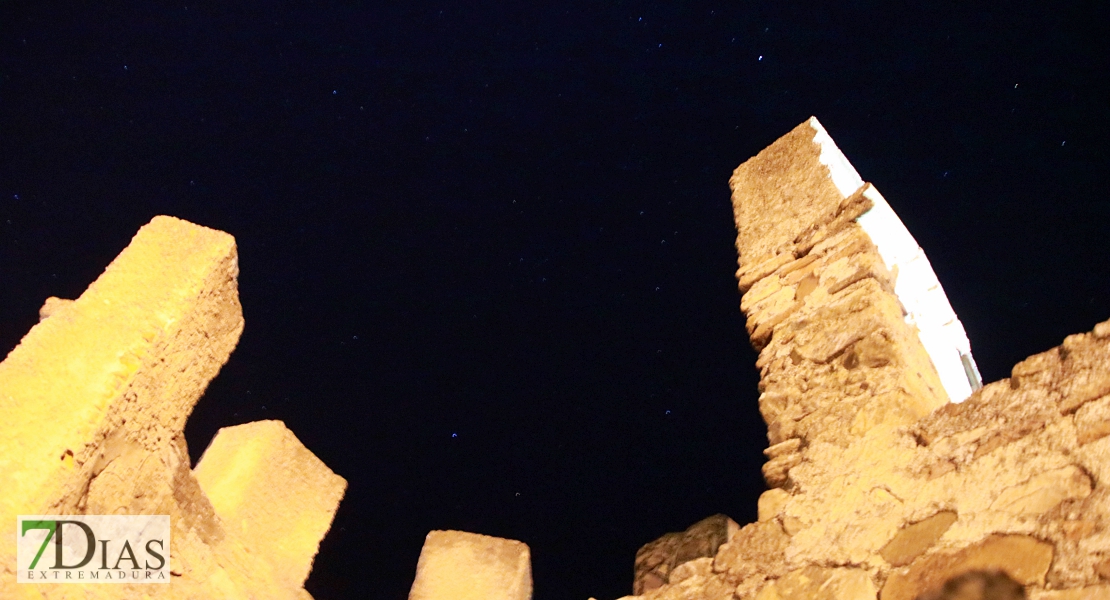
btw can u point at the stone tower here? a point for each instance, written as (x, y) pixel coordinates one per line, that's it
(891, 469)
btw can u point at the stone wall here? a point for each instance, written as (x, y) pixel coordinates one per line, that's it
(880, 485)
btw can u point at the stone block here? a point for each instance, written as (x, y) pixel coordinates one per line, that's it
(914, 539)
(655, 561)
(820, 583)
(782, 192)
(95, 399)
(126, 361)
(1023, 558)
(756, 553)
(771, 503)
(456, 565)
(273, 492)
(1044, 491)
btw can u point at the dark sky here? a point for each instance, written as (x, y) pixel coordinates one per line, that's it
(487, 251)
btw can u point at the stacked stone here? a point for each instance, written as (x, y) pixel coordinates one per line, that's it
(879, 487)
(676, 556)
(836, 355)
(459, 565)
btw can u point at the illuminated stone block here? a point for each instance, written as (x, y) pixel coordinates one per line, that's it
(95, 398)
(456, 565)
(277, 496)
(119, 369)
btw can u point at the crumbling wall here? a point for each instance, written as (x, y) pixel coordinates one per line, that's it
(669, 557)
(95, 398)
(879, 486)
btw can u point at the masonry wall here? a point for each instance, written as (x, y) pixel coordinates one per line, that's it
(879, 486)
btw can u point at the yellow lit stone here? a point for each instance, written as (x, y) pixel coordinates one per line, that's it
(771, 503)
(819, 583)
(914, 539)
(456, 565)
(95, 398)
(262, 481)
(1023, 558)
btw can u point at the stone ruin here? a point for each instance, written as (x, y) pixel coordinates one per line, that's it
(894, 474)
(95, 398)
(892, 470)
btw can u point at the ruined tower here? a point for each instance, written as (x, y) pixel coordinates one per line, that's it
(891, 468)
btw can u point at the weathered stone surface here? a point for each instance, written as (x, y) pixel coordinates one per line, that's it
(771, 503)
(456, 565)
(978, 585)
(1043, 492)
(277, 496)
(699, 567)
(753, 555)
(692, 580)
(1023, 558)
(1093, 592)
(656, 560)
(1092, 420)
(787, 196)
(820, 583)
(872, 467)
(52, 305)
(95, 398)
(916, 538)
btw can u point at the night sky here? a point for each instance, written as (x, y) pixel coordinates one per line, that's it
(486, 251)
